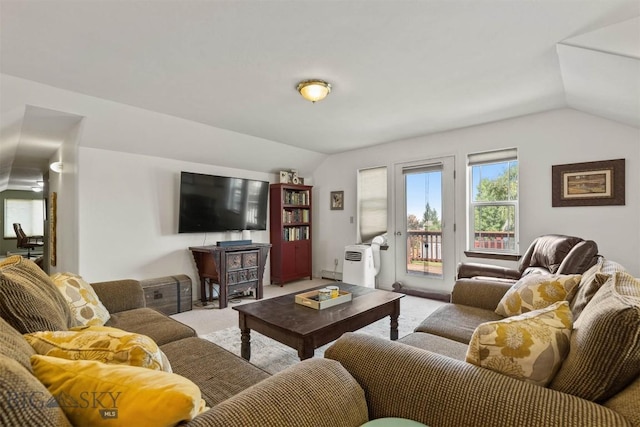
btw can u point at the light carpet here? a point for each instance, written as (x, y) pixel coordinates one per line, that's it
(272, 356)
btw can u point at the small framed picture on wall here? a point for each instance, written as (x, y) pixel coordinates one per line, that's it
(337, 200)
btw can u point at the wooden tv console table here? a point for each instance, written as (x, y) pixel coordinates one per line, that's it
(233, 268)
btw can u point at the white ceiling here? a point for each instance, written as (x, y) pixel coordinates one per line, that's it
(398, 68)
(601, 71)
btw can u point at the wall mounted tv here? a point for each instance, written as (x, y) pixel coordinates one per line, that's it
(211, 203)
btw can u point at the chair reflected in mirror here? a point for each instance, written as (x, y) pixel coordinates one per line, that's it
(26, 242)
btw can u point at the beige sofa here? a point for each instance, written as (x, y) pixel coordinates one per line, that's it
(424, 375)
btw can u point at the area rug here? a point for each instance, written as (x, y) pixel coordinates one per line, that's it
(272, 356)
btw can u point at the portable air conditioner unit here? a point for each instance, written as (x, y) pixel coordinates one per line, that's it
(358, 267)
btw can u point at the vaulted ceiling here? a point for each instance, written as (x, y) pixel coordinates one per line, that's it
(398, 68)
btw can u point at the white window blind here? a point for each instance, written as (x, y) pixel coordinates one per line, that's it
(28, 213)
(372, 203)
(431, 167)
(492, 156)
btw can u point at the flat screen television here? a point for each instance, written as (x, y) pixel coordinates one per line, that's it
(210, 203)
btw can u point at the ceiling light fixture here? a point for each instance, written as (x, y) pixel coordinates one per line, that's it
(314, 90)
(56, 167)
(36, 189)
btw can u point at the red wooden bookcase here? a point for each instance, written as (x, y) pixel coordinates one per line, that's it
(290, 232)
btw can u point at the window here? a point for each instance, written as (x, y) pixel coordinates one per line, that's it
(372, 203)
(29, 213)
(493, 201)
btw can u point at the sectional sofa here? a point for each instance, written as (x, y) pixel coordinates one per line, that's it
(423, 377)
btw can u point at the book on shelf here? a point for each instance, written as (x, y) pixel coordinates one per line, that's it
(295, 216)
(295, 197)
(296, 233)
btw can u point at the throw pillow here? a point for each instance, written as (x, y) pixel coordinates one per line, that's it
(93, 393)
(9, 261)
(591, 281)
(25, 401)
(536, 291)
(529, 347)
(30, 301)
(14, 346)
(605, 346)
(101, 343)
(82, 299)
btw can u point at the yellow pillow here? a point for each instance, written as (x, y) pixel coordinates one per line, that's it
(101, 343)
(82, 299)
(94, 394)
(536, 291)
(529, 347)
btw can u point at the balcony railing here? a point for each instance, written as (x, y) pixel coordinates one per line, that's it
(498, 240)
(426, 246)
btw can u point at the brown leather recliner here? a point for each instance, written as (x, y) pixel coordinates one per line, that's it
(550, 254)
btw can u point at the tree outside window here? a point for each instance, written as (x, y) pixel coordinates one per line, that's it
(430, 220)
(494, 205)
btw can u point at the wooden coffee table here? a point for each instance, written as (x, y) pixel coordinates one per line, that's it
(305, 329)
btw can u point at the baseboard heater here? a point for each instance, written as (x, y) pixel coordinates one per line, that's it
(331, 275)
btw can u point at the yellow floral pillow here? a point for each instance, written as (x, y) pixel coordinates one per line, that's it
(536, 291)
(82, 299)
(529, 347)
(94, 394)
(101, 343)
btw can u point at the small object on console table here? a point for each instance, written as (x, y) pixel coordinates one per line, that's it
(233, 268)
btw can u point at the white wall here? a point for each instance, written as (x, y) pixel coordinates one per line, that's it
(65, 185)
(128, 216)
(120, 224)
(545, 139)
